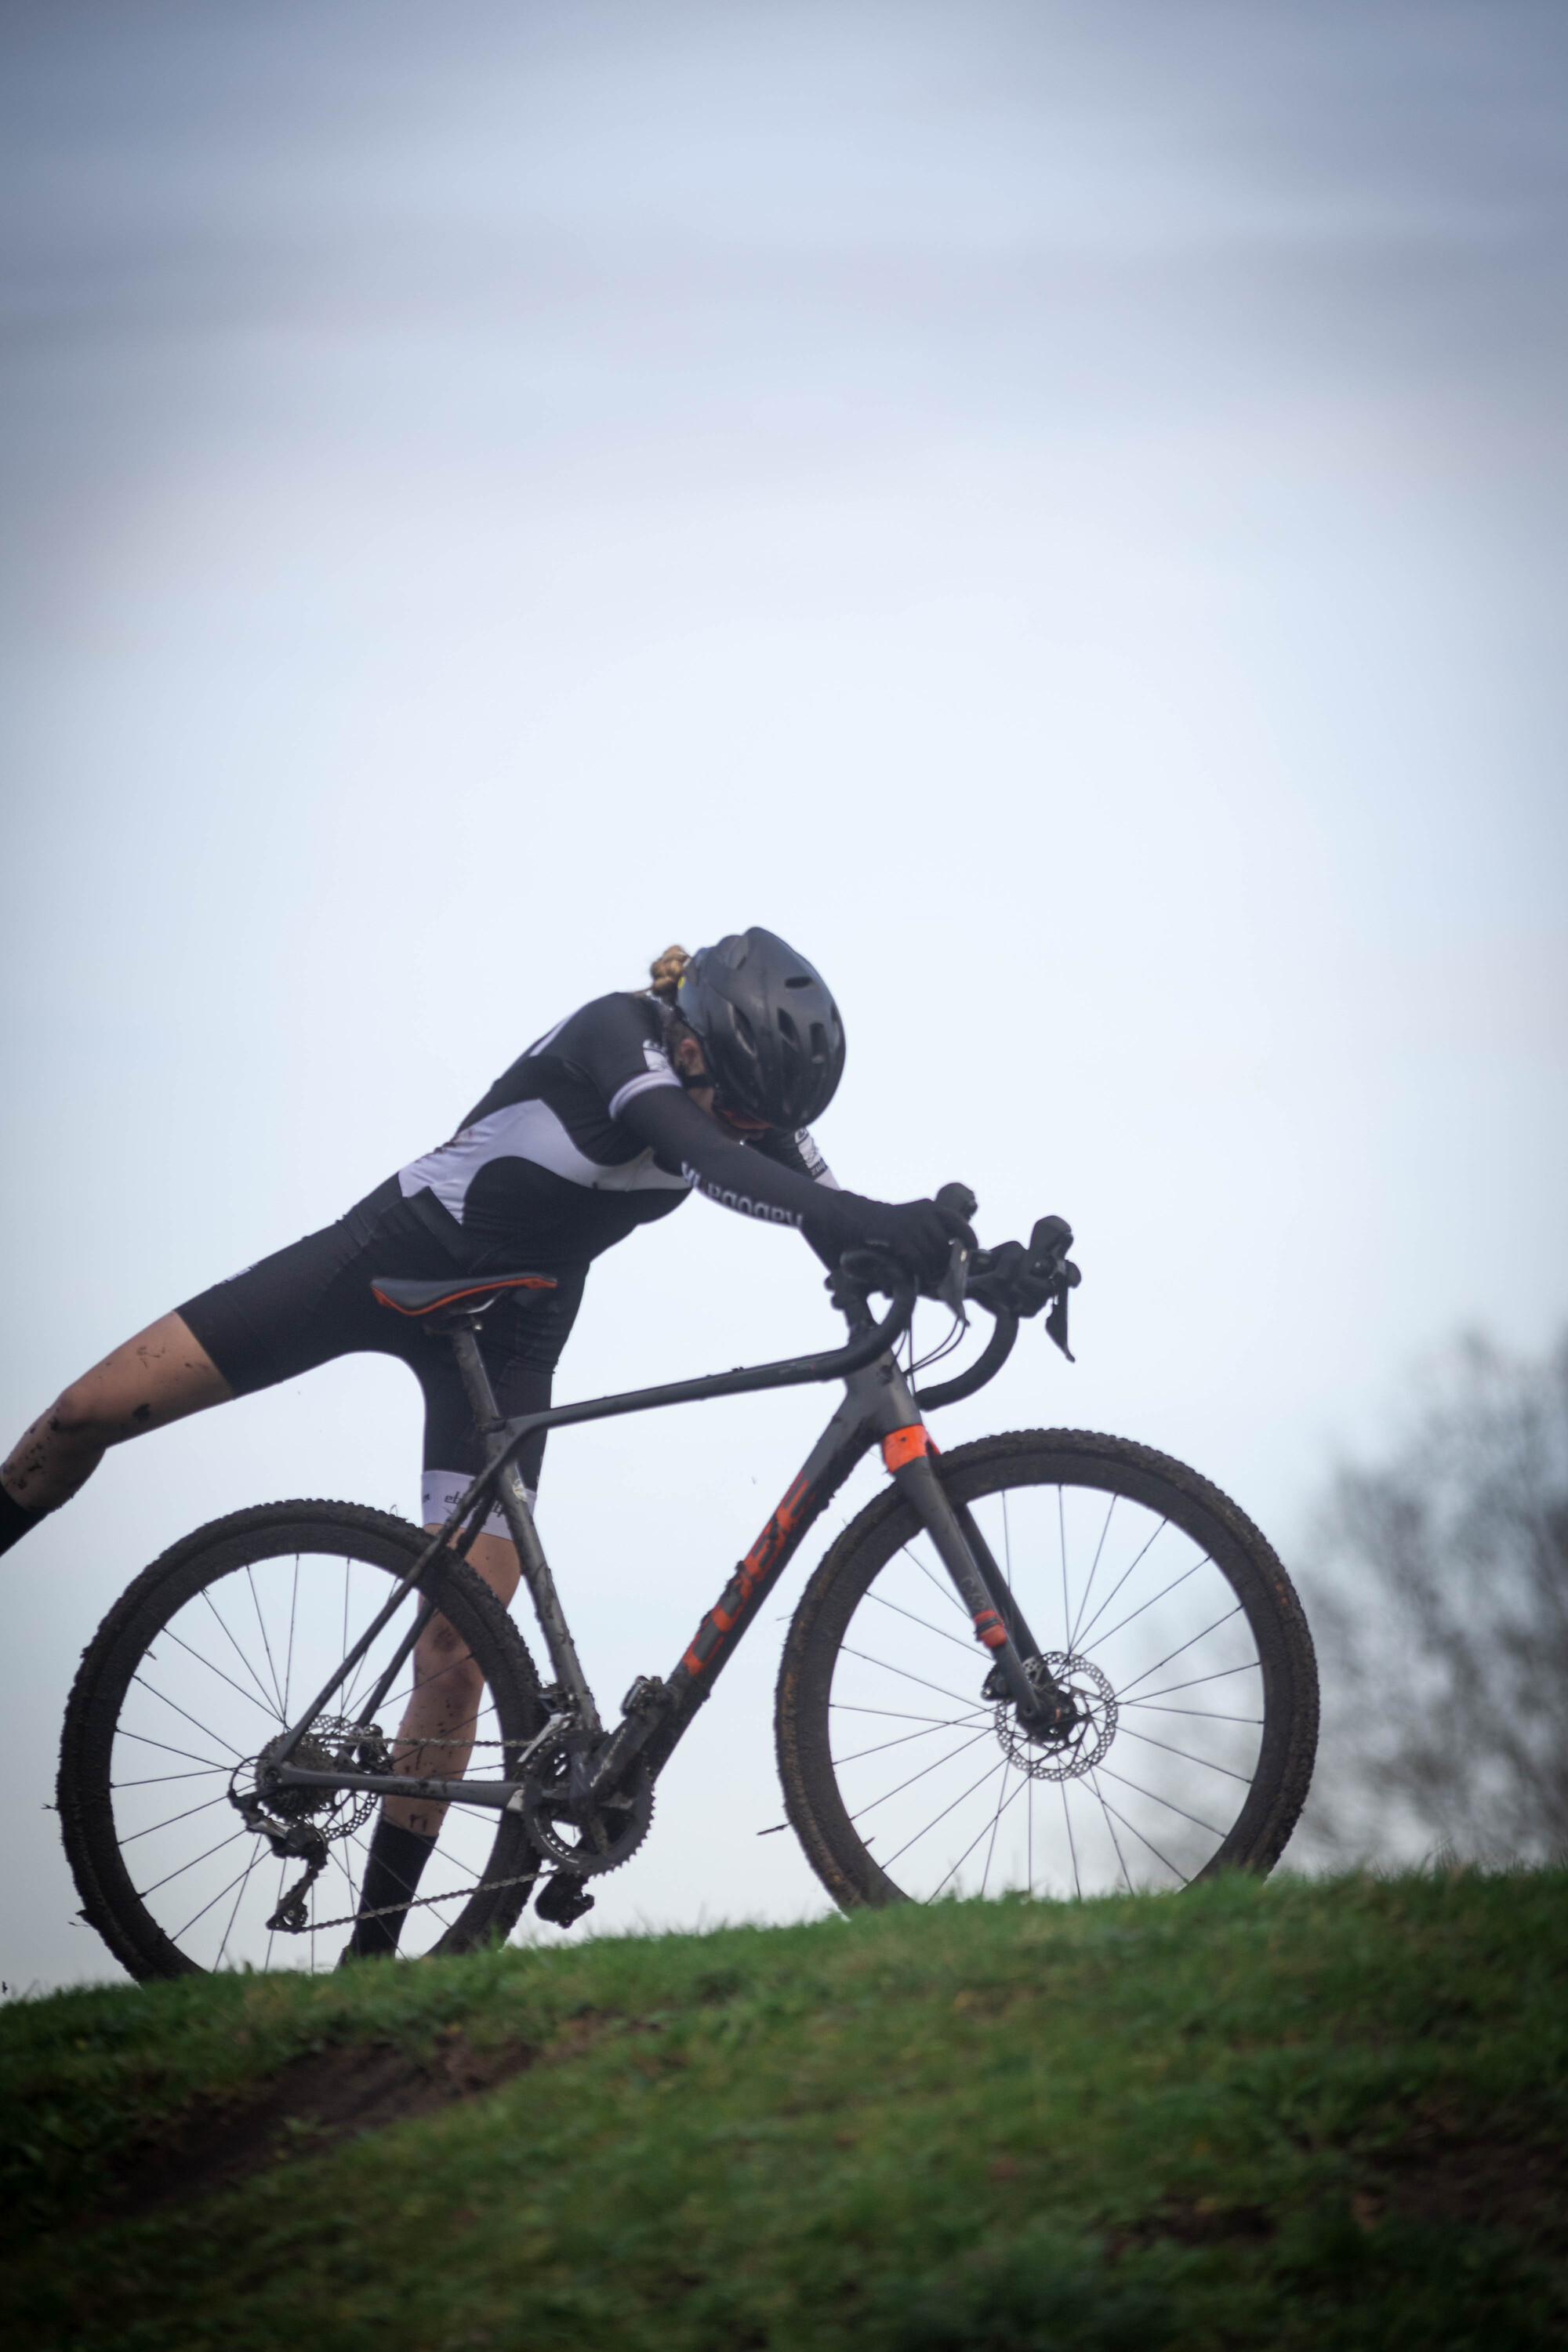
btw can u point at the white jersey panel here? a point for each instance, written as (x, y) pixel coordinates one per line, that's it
(526, 1130)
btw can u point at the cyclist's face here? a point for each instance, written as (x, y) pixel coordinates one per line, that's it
(687, 1056)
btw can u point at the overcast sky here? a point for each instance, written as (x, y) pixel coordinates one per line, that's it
(1057, 509)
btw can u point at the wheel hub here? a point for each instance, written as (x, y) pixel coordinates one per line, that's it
(1064, 1751)
(320, 1750)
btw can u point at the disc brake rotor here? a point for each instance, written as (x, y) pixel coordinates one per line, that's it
(1068, 1755)
(337, 1811)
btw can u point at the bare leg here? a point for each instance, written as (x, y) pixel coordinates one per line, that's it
(159, 1376)
(448, 1690)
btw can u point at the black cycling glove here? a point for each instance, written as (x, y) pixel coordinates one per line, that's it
(920, 1234)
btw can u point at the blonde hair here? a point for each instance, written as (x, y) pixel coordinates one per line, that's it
(664, 973)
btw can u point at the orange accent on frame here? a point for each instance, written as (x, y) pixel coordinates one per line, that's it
(902, 1445)
(757, 1562)
(989, 1629)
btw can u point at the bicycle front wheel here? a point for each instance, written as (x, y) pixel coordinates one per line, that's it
(199, 1668)
(1154, 1601)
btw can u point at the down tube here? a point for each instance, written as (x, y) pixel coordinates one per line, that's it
(829, 1463)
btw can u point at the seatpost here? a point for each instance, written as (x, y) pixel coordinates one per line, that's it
(513, 1501)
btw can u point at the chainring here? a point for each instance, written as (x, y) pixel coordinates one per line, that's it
(585, 1841)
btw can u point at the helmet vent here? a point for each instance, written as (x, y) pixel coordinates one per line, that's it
(771, 1035)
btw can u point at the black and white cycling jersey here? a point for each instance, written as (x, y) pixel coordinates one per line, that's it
(590, 1134)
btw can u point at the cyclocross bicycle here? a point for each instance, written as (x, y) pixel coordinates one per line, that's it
(1048, 1662)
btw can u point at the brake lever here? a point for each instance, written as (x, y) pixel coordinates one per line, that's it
(1049, 1245)
(1057, 1322)
(949, 1292)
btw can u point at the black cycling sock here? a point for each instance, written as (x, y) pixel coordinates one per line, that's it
(16, 1520)
(392, 1874)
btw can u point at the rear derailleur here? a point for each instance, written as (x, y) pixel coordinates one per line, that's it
(290, 1841)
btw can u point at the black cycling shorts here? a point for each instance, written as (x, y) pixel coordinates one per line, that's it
(311, 1303)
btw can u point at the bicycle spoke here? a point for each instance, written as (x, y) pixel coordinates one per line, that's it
(142, 1741)
(843, 1707)
(194, 1863)
(963, 1749)
(206, 1728)
(267, 1700)
(1245, 1778)
(1156, 1599)
(218, 1898)
(1155, 1799)
(969, 1849)
(218, 1671)
(1138, 1835)
(936, 1583)
(1093, 1573)
(158, 1779)
(882, 1601)
(1247, 1666)
(189, 1814)
(1195, 1714)
(996, 1825)
(1082, 1642)
(238, 1899)
(1115, 1841)
(944, 1812)
(1072, 1849)
(1166, 1661)
(902, 1742)
(261, 1629)
(903, 1672)
(293, 1613)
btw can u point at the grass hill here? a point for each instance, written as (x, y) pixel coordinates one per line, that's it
(1313, 2114)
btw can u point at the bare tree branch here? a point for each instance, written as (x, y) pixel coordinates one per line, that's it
(1438, 1588)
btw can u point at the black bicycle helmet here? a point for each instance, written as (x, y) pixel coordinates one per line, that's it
(770, 1033)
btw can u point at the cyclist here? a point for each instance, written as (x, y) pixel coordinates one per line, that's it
(707, 1082)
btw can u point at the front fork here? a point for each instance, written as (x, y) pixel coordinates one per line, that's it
(999, 1622)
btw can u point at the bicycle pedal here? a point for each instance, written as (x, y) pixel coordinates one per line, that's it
(562, 1899)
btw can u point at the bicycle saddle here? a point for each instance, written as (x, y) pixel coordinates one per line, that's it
(467, 1290)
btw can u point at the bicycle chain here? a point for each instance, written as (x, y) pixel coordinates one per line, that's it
(414, 1903)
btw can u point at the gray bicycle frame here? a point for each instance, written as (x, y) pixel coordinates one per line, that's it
(879, 1404)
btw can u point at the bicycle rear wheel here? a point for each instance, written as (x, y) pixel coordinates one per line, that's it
(197, 1668)
(1156, 1603)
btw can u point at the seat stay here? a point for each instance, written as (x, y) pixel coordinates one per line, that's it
(504, 1480)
